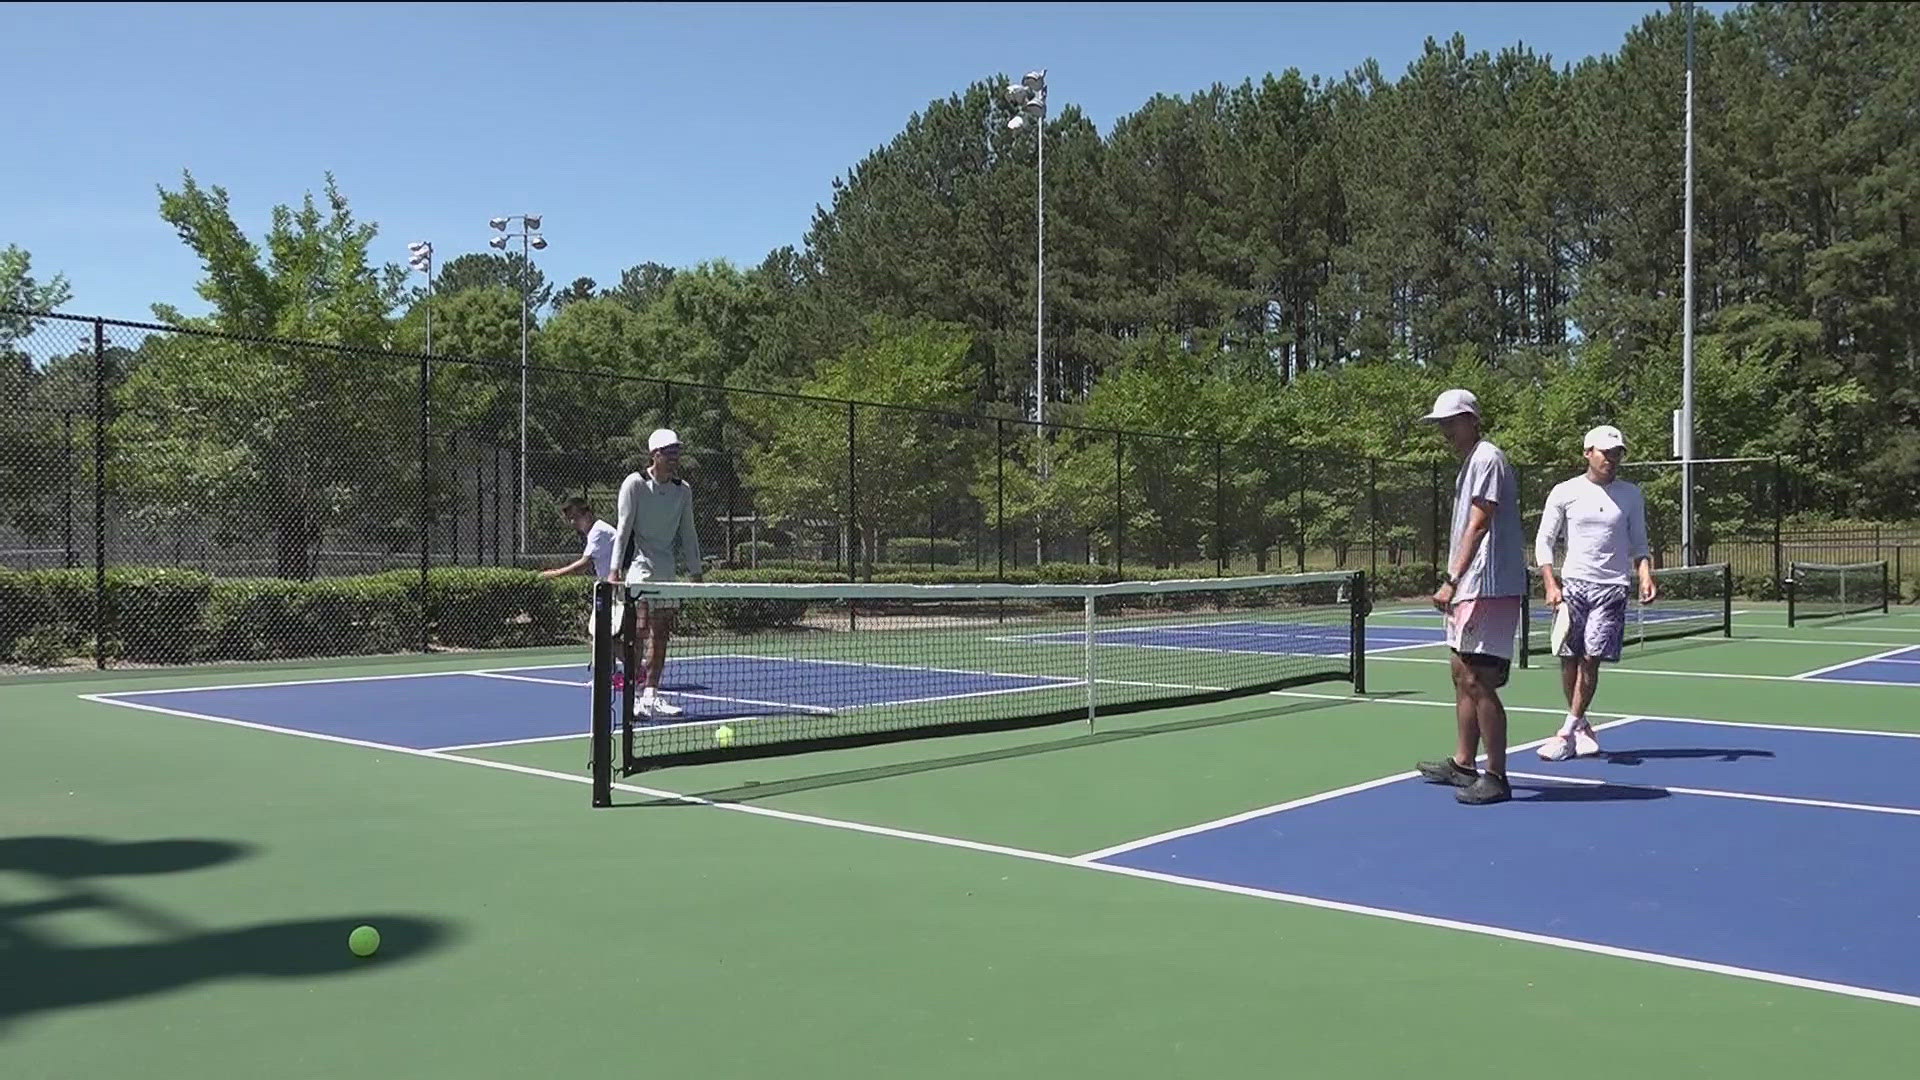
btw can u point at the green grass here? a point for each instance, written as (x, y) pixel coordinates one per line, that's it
(534, 936)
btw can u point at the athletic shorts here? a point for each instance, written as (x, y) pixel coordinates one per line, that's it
(1596, 620)
(1482, 631)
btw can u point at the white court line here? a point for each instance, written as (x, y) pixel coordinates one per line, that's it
(1662, 959)
(1895, 651)
(1716, 793)
(1828, 641)
(509, 742)
(1786, 727)
(528, 678)
(1293, 804)
(1624, 670)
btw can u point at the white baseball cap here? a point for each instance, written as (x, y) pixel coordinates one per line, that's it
(661, 437)
(1604, 437)
(1453, 403)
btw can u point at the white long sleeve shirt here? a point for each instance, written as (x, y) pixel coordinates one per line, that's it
(656, 539)
(1605, 526)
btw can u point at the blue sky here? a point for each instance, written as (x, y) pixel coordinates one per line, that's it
(671, 133)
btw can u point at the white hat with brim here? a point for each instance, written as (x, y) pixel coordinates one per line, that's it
(1604, 437)
(661, 438)
(1453, 403)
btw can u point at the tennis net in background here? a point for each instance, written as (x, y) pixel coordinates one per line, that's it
(1692, 600)
(1823, 590)
(760, 668)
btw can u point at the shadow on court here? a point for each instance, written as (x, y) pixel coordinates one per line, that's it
(753, 790)
(1584, 793)
(1675, 753)
(49, 966)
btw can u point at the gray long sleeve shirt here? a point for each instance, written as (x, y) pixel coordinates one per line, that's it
(655, 539)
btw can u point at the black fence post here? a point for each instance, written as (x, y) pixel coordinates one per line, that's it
(1119, 514)
(100, 620)
(1779, 502)
(853, 518)
(1000, 497)
(1438, 553)
(426, 513)
(66, 471)
(1219, 516)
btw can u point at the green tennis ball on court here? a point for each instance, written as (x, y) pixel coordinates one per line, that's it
(723, 735)
(363, 941)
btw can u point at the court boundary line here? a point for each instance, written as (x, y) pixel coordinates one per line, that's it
(1294, 804)
(1885, 654)
(1299, 900)
(1723, 793)
(1622, 669)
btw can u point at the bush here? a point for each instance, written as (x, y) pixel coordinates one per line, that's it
(922, 551)
(26, 608)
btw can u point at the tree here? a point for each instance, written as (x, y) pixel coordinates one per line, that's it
(21, 292)
(228, 436)
(476, 270)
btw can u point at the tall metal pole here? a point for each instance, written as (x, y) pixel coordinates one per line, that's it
(1040, 277)
(1686, 346)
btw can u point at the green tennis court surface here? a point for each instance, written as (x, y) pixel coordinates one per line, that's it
(176, 892)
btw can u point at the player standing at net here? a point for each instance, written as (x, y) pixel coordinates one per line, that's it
(596, 557)
(1486, 579)
(655, 541)
(1604, 519)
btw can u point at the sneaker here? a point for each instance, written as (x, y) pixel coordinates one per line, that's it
(1557, 748)
(1585, 742)
(1487, 789)
(1447, 771)
(654, 706)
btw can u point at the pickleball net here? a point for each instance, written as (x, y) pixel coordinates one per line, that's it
(1691, 601)
(1826, 590)
(756, 668)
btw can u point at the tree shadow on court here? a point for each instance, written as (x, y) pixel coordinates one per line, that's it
(1541, 792)
(1691, 753)
(752, 790)
(42, 969)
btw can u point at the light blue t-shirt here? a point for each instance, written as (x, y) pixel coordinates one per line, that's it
(1499, 568)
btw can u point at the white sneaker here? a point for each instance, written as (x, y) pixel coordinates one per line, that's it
(653, 706)
(1585, 742)
(1557, 748)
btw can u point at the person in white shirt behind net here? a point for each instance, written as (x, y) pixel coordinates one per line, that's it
(655, 540)
(1604, 521)
(596, 558)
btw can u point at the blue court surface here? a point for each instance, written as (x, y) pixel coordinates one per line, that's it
(464, 709)
(1896, 667)
(1777, 850)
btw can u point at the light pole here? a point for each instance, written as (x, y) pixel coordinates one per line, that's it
(1029, 97)
(420, 257)
(529, 237)
(1686, 343)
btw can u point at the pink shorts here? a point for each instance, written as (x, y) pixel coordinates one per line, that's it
(1484, 626)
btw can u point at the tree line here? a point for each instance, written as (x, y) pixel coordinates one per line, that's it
(1296, 260)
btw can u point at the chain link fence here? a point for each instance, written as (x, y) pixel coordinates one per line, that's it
(172, 496)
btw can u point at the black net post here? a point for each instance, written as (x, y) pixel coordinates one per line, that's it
(600, 751)
(1726, 601)
(1358, 611)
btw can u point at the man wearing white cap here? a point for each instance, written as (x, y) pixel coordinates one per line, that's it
(654, 541)
(1604, 520)
(1486, 578)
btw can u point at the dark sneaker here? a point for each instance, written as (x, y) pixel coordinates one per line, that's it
(1446, 771)
(1488, 789)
